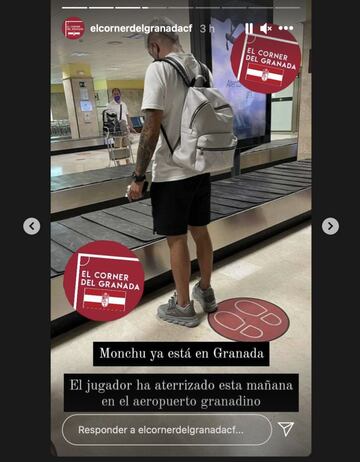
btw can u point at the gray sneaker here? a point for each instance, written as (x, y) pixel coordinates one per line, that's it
(206, 298)
(176, 314)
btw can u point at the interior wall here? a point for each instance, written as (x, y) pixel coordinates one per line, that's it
(284, 113)
(131, 96)
(58, 106)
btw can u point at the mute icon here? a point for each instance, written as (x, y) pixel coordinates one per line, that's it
(264, 28)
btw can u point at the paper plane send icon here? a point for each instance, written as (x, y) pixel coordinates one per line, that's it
(286, 427)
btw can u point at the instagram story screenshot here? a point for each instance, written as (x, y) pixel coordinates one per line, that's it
(180, 225)
(182, 231)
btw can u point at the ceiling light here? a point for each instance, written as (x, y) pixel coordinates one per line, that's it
(79, 53)
(135, 36)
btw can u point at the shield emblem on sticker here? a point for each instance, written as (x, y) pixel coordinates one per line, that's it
(105, 300)
(265, 75)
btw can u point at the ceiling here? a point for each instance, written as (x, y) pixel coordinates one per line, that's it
(125, 61)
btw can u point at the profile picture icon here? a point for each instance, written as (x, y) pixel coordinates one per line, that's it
(73, 28)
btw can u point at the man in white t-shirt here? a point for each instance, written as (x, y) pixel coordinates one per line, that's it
(118, 107)
(180, 198)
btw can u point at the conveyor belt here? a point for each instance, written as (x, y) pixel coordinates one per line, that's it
(99, 188)
(62, 146)
(97, 232)
(268, 153)
(75, 190)
(75, 180)
(240, 207)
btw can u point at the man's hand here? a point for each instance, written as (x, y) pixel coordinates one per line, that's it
(135, 191)
(147, 144)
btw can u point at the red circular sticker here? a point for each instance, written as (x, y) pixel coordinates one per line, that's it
(73, 28)
(266, 58)
(249, 320)
(104, 280)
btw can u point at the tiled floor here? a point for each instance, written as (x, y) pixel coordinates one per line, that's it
(277, 270)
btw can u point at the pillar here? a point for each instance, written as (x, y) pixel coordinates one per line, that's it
(80, 100)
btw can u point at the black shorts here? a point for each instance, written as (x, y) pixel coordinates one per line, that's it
(178, 204)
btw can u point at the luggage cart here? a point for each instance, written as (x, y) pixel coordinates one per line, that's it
(117, 140)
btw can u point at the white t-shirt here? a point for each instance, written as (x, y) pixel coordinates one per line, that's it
(113, 106)
(165, 90)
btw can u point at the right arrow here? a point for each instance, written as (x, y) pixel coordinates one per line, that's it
(330, 225)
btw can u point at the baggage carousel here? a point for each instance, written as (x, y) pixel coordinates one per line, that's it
(101, 188)
(244, 208)
(77, 190)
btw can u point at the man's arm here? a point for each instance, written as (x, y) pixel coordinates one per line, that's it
(148, 140)
(147, 144)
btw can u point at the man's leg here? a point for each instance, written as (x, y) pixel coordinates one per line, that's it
(170, 207)
(180, 266)
(204, 252)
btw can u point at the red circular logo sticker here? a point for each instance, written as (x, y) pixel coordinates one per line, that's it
(73, 28)
(104, 280)
(249, 320)
(266, 58)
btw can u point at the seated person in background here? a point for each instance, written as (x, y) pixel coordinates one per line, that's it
(120, 108)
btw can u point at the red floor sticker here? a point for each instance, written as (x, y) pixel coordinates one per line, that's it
(249, 320)
(104, 280)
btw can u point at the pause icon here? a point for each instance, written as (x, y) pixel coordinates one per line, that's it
(249, 28)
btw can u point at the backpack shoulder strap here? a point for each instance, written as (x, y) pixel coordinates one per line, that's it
(180, 69)
(206, 74)
(163, 131)
(203, 79)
